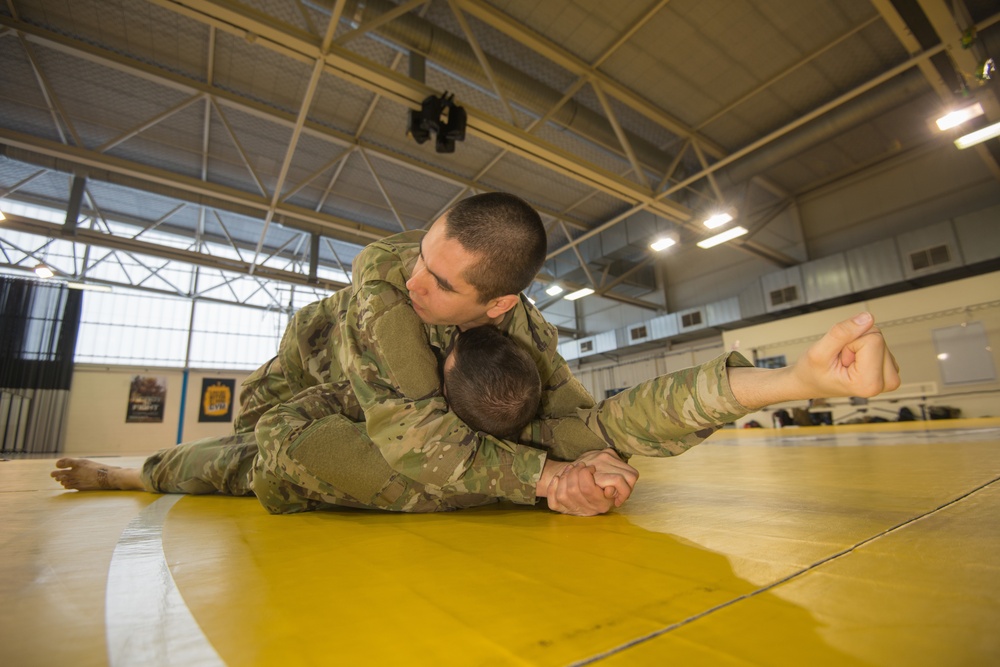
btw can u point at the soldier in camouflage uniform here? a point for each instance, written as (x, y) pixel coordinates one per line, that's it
(350, 411)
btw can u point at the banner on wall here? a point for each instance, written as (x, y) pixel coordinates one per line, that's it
(216, 400)
(146, 399)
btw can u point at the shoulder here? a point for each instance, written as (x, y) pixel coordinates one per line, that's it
(387, 260)
(528, 327)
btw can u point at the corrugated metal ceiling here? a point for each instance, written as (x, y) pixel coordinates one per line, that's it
(199, 101)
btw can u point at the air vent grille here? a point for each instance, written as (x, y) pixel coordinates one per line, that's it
(925, 259)
(691, 319)
(785, 295)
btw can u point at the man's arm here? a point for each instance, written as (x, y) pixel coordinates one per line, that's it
(395, 377)
(661, 417)
(852, 359)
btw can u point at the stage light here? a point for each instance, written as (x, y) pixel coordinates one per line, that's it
(439, 116)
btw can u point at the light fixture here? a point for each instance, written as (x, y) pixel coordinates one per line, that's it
(439, 116)
(959, 116)
(718, 220)
(554, 290)
(43, 271)
(727, 235)
(979, 136)
(662, 243)
(89, 286)
(579, 294)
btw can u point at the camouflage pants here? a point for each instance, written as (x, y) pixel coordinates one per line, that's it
(295, 453)
(299, 453)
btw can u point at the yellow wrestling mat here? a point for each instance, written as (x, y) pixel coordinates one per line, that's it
(874, 546)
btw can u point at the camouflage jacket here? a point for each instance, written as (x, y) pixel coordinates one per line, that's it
(367, 346)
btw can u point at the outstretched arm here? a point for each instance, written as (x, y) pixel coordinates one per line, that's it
(851, 359)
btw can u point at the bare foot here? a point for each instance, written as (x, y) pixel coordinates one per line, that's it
(87, 475)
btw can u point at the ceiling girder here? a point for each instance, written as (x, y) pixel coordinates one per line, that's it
(223, 97)
(342, 229)
(103, 240)
(408, 92)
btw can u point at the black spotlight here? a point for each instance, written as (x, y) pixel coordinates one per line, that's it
(441, 116)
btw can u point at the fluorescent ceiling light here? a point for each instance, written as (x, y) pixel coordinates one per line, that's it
(718, 220)
(956, 118)
(727, 235)
(43, 271)
(662, 244)
(579, 294)
(554, 290)
(979, 136)
(89, 286)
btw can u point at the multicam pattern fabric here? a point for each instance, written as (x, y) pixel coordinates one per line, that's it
(350, 411)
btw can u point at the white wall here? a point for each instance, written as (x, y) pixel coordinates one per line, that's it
(907, 321)
(98, 404)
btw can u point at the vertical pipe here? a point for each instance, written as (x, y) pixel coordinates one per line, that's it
(180, 419)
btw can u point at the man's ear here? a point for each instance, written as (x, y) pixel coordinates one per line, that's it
(502, 304)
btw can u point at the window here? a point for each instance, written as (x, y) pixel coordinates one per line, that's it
(586, 346)
(135, 328)
(638, 333)
(230, 336)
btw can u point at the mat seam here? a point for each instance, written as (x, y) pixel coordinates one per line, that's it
(670, 628)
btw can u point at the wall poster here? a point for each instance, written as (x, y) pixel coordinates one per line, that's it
(146, 399)
(216, 403)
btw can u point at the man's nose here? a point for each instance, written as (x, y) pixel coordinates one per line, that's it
(416, 282)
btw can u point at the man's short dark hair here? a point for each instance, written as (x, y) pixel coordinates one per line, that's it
(508, 236)
(494, 385)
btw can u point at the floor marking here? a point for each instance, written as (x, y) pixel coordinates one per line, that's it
(147, 620)
(662, 631)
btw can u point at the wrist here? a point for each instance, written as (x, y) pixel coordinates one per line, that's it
(549, 471)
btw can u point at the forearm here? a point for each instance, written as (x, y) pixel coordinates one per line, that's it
(669, 414)
(756, 388)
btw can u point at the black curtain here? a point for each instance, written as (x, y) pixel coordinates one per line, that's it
(38, 328)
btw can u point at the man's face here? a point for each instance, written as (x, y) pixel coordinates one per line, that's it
(438, 290)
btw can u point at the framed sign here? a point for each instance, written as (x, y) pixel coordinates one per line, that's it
(216, 403)
(147, 397)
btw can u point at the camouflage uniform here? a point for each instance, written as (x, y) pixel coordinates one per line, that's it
(350, 411)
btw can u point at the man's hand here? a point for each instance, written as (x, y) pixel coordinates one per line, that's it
(574, 491)
(852, 359)
(593, 484)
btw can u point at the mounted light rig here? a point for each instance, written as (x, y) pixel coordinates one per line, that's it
(441, 116)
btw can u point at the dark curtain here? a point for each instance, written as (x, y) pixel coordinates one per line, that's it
(38, 328)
